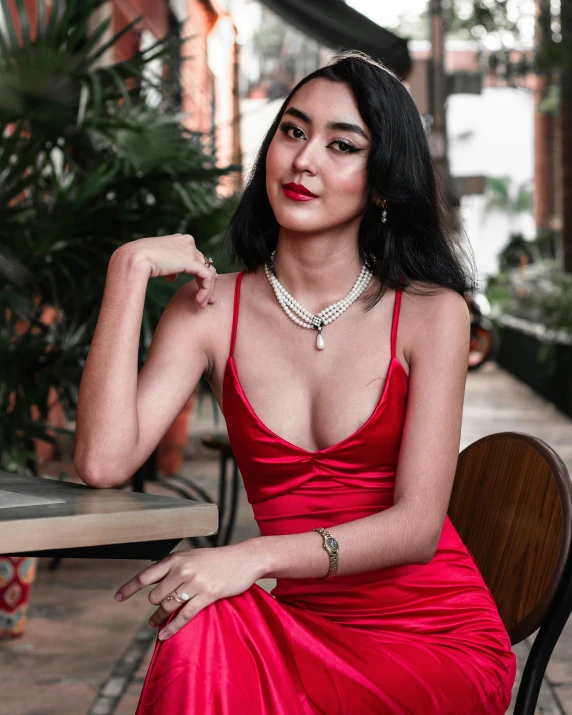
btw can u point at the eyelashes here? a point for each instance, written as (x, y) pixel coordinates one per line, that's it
(349, 148)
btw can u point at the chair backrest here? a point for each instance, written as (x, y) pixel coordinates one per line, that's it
(512, 506)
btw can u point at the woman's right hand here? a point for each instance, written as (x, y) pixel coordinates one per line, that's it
(167, 256)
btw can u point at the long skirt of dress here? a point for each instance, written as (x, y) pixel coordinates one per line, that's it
(317, 647)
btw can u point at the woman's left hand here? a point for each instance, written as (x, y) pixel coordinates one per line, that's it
(205, 575)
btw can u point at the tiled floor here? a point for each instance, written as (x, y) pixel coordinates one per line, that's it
(79, 654)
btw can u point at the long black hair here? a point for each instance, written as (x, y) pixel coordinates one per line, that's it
(422, 239)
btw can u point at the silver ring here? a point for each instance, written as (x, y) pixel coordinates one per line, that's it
(208, 261)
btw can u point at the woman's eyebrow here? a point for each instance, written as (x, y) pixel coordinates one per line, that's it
(342, 126)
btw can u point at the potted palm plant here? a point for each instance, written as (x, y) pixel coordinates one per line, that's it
(86, 164)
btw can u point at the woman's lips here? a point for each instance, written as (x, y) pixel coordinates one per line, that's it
(291, 194)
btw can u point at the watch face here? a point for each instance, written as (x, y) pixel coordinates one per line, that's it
(331, 543)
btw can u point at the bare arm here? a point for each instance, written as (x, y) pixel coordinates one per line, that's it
(409, 531)
(122, 415)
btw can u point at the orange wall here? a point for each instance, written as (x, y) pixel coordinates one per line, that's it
(196, 77)
(198, 83)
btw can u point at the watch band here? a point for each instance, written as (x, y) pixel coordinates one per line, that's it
(330, 544)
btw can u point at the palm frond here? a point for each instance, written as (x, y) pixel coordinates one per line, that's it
(85, 166)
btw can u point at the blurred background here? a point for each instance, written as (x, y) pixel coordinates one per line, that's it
(132, 118)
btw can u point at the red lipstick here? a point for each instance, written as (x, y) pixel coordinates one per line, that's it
(297, 192)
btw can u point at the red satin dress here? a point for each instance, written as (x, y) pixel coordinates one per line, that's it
(407, 640)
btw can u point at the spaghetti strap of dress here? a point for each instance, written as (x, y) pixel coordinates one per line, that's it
(235, 311)
(395, 320)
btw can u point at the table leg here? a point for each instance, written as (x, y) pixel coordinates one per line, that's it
(218, 538)
(233, 504)
(147, 472)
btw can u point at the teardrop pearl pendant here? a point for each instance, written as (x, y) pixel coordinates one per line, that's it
(303, 317)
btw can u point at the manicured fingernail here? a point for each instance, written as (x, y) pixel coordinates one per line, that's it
(118, 597)
(162, 636)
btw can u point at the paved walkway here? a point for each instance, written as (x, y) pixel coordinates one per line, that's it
(85, 654)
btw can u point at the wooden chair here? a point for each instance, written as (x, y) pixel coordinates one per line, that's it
(512, 507)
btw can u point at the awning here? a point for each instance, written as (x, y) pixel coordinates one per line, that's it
(337, 25)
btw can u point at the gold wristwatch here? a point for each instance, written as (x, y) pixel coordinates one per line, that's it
(331, 545)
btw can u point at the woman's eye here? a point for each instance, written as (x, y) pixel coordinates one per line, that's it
(287, 127)
(344, 146)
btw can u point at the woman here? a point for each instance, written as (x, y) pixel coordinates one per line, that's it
(346, 433)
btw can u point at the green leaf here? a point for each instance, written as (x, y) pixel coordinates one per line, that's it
(13, 44)
(66, 23)
(103, 49)
(13, 270)
(95, 37)
(76, 36)
(84, 99)
(119, 83)
(53, 21)
(24, 25)
(41, 19)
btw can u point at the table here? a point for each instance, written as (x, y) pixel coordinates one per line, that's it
(186, 487)
(47, 517)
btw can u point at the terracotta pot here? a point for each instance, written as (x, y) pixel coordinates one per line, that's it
(16, 577)
(171, 447)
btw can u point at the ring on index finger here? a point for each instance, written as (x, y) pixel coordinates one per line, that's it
(208, 262)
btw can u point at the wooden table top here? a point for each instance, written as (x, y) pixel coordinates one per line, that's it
(38, 514)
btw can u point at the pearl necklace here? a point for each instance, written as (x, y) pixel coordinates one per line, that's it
(303, 317)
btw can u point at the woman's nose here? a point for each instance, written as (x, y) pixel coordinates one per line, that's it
(306, 158)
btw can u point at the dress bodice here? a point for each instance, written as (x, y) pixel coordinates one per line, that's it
(354, 475)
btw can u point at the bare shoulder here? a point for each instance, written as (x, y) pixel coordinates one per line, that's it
(434, 321)
(220, 312)
(225, 286)
(192, 327)
(430, 299)
(212, 324)
(223, 293)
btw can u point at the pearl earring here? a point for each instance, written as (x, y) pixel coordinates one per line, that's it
(384, 212)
